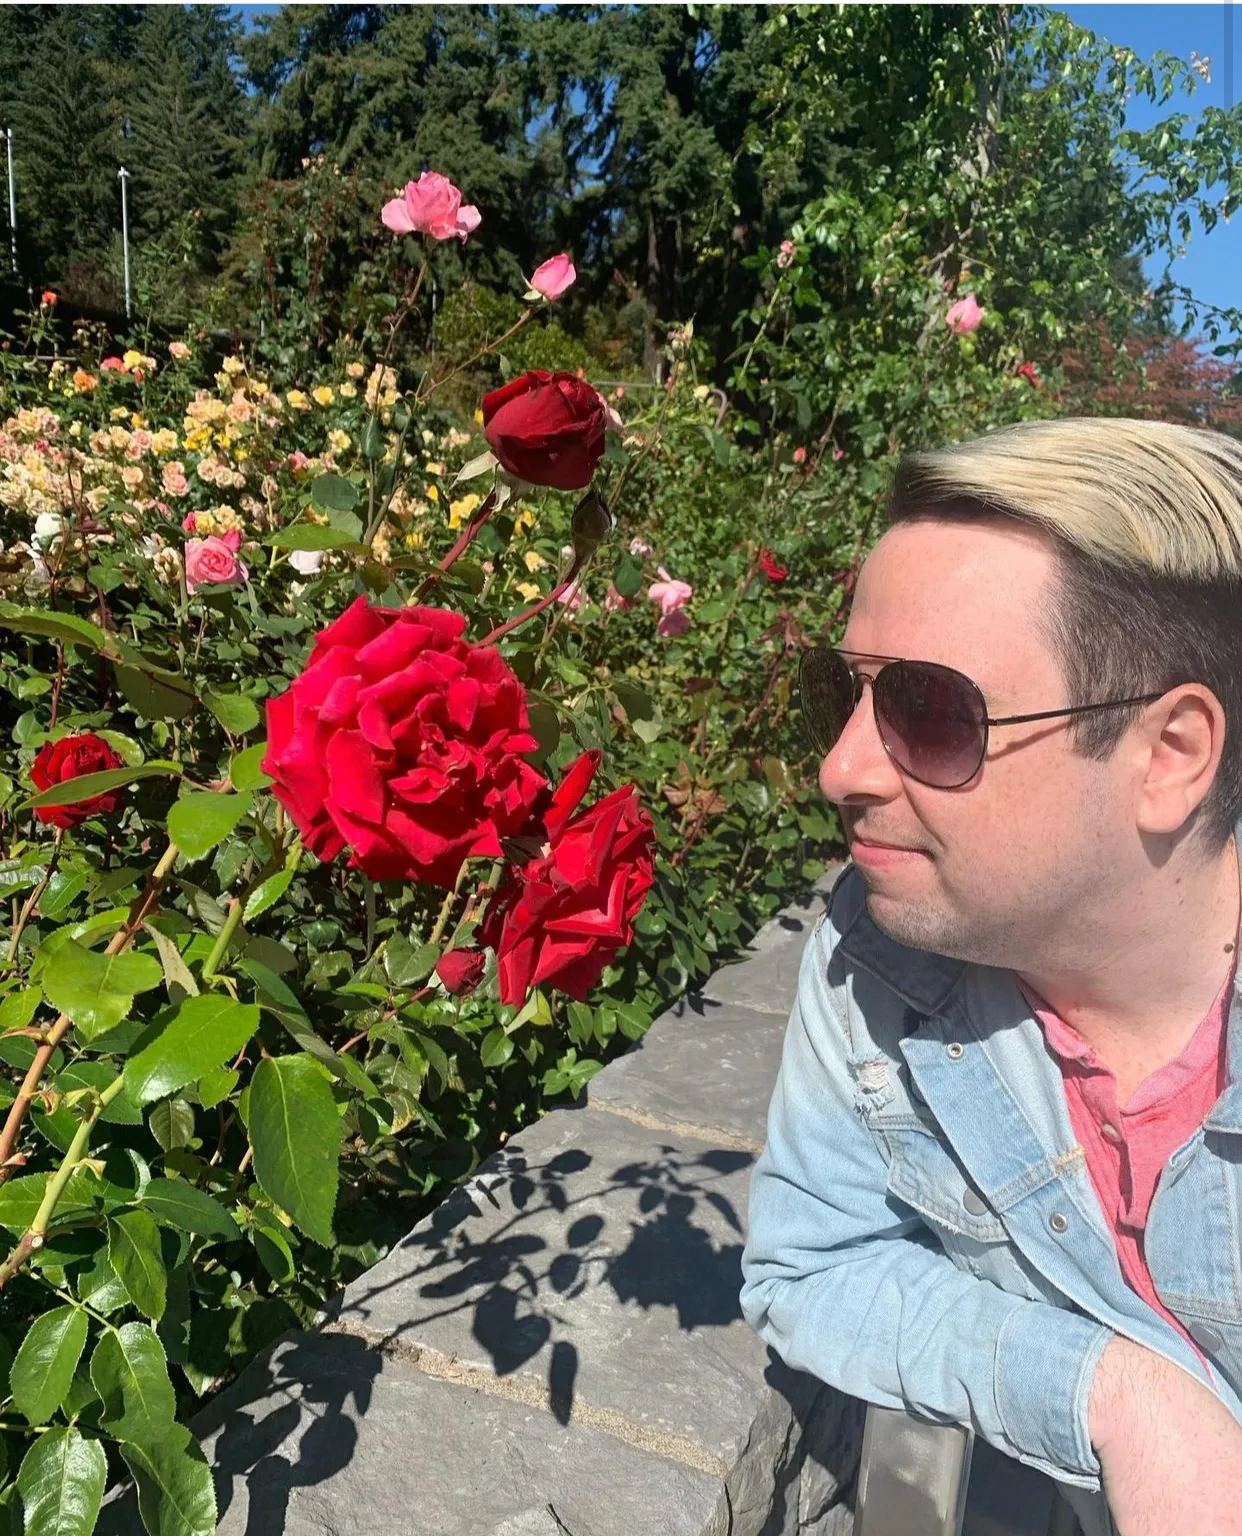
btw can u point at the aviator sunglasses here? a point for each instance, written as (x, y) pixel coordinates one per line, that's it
(932, 720)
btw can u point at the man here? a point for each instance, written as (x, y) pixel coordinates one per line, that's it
(1002, 1183)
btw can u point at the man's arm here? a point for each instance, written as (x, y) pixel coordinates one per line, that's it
(841, 1284)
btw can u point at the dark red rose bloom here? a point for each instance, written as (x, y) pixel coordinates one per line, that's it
(562, 917)
(547, 428)
(70, 758)
(403, 743)
(461, 970)
(771, 566)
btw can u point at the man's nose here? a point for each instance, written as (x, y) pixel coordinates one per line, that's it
(858, 767)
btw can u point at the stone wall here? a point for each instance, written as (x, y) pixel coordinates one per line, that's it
(557, 1350)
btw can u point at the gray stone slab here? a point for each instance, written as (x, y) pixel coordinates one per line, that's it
(327, 1437)
(711, 1065)
(764, 979)
(599, 1262)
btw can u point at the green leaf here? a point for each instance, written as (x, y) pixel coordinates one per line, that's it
(21, 1198)
(46, 1361)
(134, 1253)
(129, 1370)
(176, 972)
(244, 768)
(17, 1010)
(496, 1049)
(333, 493)
(96, 990)
(61, 1482)
(628, 576)
(155, 692)
(189, 1209)
(201, 820)
(64, 888)
(216, 1085)
(647, 730)
(66, 627)
(296, 1132)
(87, 785)
(175, 1492)
(202, 1034)
(311, 536)
(372, 442)
(171, 1122)
(235, 712)
(407, 963)
(267, 893)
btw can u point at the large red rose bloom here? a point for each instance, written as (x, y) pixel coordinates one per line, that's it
(547, 429)
(403, 743)
(561, 918)
(56, 762)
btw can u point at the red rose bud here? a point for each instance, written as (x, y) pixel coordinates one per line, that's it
(771, 566)
(1027, 372)
(404, 743)
(561, 918)
(547, 429)
(70, 758)
(461, 970)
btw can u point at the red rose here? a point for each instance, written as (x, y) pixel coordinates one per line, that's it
(403, 742)
(771, 566)
(461, 970)
(562, 917)
(69, 758)
(547, 428)
(1027, 372)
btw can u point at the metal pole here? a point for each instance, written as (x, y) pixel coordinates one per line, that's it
(8, 137)
(124, 175)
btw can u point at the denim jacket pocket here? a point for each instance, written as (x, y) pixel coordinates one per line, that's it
(924, 1175)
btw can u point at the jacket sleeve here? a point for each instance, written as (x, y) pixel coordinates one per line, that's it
(843, 1280)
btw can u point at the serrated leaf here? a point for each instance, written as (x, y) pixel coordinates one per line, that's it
(44, 1365)
(175, 1492)
(408, 963)
(496, 1049)
(87, 785)
(176, 972)
(129, 1370)
(171, 1122)
(21, 1198)
(201, 820)
(18, 1008)
(134, 1253)
(235, 712)
(267, 893)
(65, 627)
(244, 770)
(202, 1034)
(96, 990)
(61, 1481)
(296, 1132)
(189, 1209)
(334, 493)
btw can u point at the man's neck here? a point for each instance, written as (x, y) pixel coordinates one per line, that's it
(1139, 1009)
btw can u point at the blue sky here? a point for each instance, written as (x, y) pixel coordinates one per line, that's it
(1211, 267)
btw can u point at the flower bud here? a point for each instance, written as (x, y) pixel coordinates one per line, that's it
(591, 525)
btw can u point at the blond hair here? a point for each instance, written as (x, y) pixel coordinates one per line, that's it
(1146, 519)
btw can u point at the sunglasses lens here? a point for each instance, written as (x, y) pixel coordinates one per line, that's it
(931, 719)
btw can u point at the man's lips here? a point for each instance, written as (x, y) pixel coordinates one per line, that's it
(874, 842)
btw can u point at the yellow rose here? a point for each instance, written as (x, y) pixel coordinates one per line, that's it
(297, 400)
(233, 365)
(524, 520)
(198, 439)
(356, 370)
(415, 539)
(347, 391)
(459, 511)
(133, 359)
(118, 413)
(529, 590)
(430, 492)
(534, 560)
(323, 395)
(338, 441)
(137, 422)
(478, 416)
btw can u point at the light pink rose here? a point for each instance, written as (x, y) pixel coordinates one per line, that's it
(673, 624)
(964, 316)
(113, 365)
(306, 562)
(788, 253)
(639, 547)
(213, 562)
(297, 461)
(669, 593)
(573, 598)
(178, 349)
(554, 277)
(614, 601)
(432, 206)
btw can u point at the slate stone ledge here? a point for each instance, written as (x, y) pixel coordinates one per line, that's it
(557, 1349)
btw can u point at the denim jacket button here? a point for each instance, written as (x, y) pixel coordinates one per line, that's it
(974, 1203)
(955, 1050)
(1058, 1221)
(1205, 1337)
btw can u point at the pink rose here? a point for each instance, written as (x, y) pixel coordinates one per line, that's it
(639, 547)
(669, 593)
(799, 456)
(554, 277)
(613, 600)
(213, 562)
(432, 206)
(573, 598)
(178, 349)
(964, 316)
(113, 365)
(788, 253)
(675, 623)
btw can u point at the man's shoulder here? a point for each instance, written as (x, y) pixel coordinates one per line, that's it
(857, 954)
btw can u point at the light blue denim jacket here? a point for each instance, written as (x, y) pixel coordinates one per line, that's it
(923, 1231)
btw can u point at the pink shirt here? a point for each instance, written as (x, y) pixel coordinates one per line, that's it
(1127, 1146)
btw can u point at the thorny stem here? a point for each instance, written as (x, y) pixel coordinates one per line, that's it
(32, 901)
(575, 570)
(447, 905)
(138, 914)
(421, 399)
